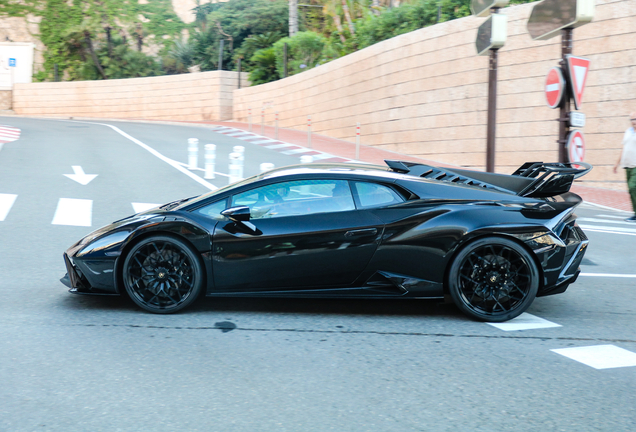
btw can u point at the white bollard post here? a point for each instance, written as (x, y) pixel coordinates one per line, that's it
(210, 160)
(240, 150)
(193, 153)
(236, 167)
(266, 166)
(306, 159)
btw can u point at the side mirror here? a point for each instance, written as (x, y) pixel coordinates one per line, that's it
(241, 216)
(237, 214)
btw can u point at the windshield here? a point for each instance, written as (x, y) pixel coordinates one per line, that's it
(219, 191)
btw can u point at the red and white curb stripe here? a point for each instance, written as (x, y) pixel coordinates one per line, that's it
(279, 146)
(8, 134)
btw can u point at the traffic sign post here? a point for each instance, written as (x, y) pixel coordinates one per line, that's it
(491, 36)
(576, 146)
(554, 87)
(548, 19)
(481, 8)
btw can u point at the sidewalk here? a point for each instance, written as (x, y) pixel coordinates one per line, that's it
(605, 197)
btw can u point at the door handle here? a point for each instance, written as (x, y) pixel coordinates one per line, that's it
(361, 232)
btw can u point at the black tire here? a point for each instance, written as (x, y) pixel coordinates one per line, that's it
(493, 279)
(162, 274)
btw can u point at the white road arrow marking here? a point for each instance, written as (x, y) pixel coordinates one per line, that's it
(80, 176)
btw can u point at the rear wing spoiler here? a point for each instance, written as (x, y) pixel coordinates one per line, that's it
(550, 179)
(532, 179)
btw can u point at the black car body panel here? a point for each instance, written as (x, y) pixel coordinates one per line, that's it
(403, 249)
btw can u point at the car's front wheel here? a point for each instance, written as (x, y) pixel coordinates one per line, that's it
(162, 274)
(493, 279)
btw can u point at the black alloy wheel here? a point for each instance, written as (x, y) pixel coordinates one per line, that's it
(493, 279)
(162, 274)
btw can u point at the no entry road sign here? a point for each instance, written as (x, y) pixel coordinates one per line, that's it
(578, 68)
(554, 87)
(576, 146)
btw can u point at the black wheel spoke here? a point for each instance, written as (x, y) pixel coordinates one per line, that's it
(160, 275)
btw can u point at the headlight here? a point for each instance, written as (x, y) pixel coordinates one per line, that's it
(544, 242)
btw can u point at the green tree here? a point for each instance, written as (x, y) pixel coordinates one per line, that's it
(304, 51)
(234, 22)
(263, 66)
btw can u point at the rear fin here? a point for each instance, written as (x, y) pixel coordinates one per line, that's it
(550, 179)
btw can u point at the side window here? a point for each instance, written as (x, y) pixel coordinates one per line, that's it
(294, 198)
(213, 210)
(376, 195)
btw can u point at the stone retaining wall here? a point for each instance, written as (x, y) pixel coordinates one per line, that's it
(425, 93)
(5, 99)
(195, 96)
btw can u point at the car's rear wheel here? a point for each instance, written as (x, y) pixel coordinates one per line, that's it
(162, 274)
(493, 279)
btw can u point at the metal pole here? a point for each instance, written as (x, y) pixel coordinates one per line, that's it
(221, 54)
(262, 121)
(285, 60)
(492, 111)
(309, 131)
(567, 36)
(358, 141)
(239, 72)
(249, 118)
(276, 126)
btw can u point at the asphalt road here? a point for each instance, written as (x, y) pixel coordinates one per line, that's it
(77, 363)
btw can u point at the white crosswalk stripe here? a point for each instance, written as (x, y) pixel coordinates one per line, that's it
(141, 207)
(69, 211)
(75, 212)
(607, 223)
(6, 202)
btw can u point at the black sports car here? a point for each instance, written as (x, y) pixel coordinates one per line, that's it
(490, 242)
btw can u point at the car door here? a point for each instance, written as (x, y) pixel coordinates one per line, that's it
(309, 235)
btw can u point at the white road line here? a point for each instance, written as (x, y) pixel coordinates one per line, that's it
(583, 219)
(264, 141)
(608, 275)
(608, 229)
(525, 321)
(6, 202)
(167, 160)
(141, 207)
(611, 216)
(76, 212)
(600, 356)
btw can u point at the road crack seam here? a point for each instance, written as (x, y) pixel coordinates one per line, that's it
(362, 332)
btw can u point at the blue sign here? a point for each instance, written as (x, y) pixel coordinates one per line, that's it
(12, 62)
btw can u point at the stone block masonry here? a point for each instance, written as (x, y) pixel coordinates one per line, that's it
(196, 96)
(425, 93)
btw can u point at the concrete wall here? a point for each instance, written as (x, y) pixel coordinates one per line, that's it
(425, 93)
(196, 96)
